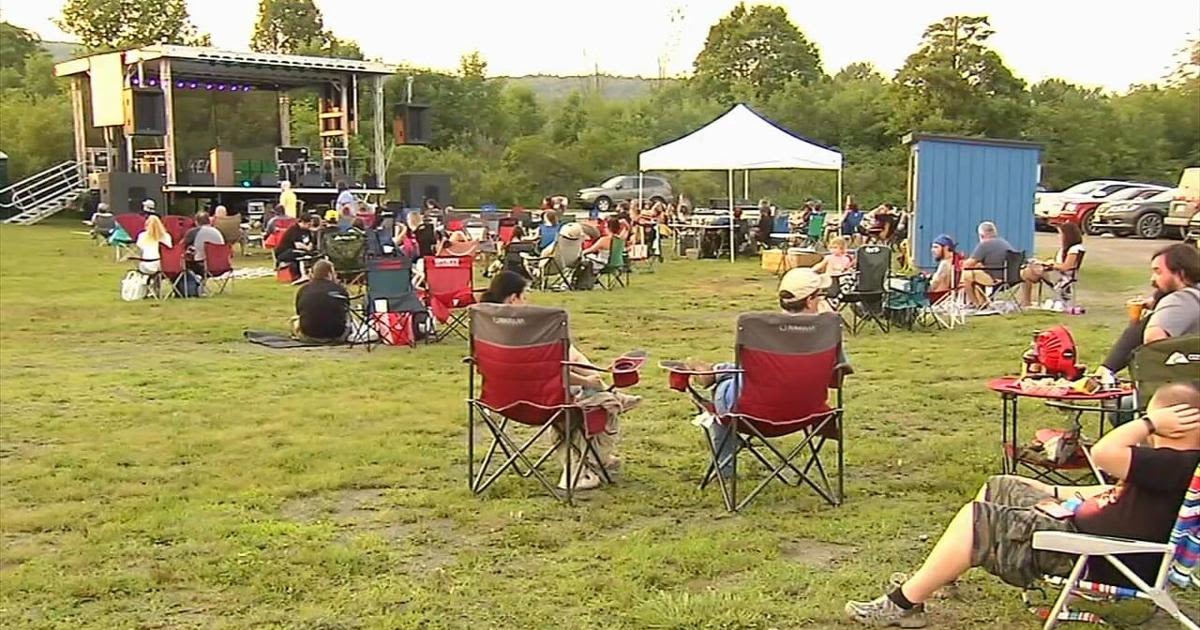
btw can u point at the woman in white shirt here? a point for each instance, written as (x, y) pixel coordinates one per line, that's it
(153, 235)
(1064, 265)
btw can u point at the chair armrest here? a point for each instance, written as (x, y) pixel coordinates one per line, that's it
(1081, 544)
(677, 367)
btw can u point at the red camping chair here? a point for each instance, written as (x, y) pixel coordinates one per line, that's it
(218, 265)
(172, 264)
(450, 288)
(132, 223)
(281, 225)
(521, 355)
(177, 226)
(786, 365)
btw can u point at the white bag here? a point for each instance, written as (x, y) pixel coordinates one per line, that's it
(133, 287)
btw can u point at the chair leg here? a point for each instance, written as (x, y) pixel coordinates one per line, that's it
(1065, 595)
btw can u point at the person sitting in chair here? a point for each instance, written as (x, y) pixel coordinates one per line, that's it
(597, 253)
(511, 288)
(148, 242)
(995, 531)
(195, 239)
(297, 243)
(801, 292)
(1064, 265)
(837, 261)
(322, 305)
(985, 267)
(1175, 278)
(943, 277)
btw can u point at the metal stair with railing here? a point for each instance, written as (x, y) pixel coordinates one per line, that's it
(43, 194)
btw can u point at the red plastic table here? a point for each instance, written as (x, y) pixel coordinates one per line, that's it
(1010, 390)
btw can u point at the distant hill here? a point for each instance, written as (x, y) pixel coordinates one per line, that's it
(551, 88)
(60, 51)
(546, 88)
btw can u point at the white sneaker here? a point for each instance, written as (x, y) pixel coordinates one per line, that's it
(587, 481)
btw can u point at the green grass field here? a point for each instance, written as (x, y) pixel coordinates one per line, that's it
(157, 471)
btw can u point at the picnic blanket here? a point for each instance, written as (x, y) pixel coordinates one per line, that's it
(278, 341)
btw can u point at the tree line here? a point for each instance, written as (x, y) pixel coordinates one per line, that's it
(504, 145)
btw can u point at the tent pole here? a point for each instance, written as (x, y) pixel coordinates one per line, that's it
(732, 227)
(840, 200)
(746, 184)
(640, 174)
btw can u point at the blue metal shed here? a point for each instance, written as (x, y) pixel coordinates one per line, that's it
(956, 182)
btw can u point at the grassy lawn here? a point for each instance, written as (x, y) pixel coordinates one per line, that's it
(157, 471)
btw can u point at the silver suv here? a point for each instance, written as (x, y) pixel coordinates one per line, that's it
(623, 187)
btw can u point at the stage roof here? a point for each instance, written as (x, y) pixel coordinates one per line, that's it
(228, 65)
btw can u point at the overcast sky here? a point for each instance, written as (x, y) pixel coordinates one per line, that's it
(1105, 43)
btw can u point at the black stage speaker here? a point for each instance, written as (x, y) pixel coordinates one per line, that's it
(412, 124)
(417, 187)
(291, 155)
(125, 192)
(145, 112)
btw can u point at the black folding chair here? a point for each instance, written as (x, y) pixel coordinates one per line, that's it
(1010, 281)
(873, 264)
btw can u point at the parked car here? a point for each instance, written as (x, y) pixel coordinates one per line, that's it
(1142, 217)
(1082, 212)
(624, 187)
(1050, 204)
(1186, 205)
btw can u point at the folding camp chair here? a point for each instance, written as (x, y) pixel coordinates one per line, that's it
(1178, 568)
(814, 234)
(103, 226)
(177, 226)
(1009, 283)
(557, 271)
(450, 289)
(1158, 363)
(389, 304)
(347, 252)
(132, 223)
(907, 302)
(218, 265)
(866, 302)
(172, 262)
(1064, 289)
(616, 272)
(786, 365)
(521, 354)
(231, 230)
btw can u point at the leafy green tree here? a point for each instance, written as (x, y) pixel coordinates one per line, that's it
(524, 114)
(115, 24)
(287, 26)
(16, 44)
(570, 122)
(955, 78)
(754, 52)
(35, 132)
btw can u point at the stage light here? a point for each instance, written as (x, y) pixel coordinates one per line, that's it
(192, 85)
(246, 183)
(135, 81)
(179, 84)
(152, 82)
(208, 86)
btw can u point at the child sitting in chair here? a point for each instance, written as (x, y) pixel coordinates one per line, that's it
(837, 261)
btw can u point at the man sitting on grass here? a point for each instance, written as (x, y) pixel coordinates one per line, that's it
(995, 531)
(321, 306)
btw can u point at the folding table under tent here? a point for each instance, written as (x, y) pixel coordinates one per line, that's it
(739, 140)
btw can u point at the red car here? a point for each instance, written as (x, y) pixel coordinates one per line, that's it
(1081, 212)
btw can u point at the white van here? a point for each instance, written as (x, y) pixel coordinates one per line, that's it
(1186, 203)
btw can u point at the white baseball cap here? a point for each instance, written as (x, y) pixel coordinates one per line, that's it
(148, 205)
(802, 282)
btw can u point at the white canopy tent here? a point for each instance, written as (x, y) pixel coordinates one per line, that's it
(740, 140)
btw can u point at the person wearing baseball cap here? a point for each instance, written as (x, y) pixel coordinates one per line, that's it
(943, 252)
(148, 207)
(801, 292)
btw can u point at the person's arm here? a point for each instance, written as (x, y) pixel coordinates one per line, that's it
(1068, 264)
(821, 266)
(1114, 452)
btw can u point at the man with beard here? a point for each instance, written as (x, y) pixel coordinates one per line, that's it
(1174, 274)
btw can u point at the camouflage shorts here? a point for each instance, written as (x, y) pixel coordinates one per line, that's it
(1004, 524)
